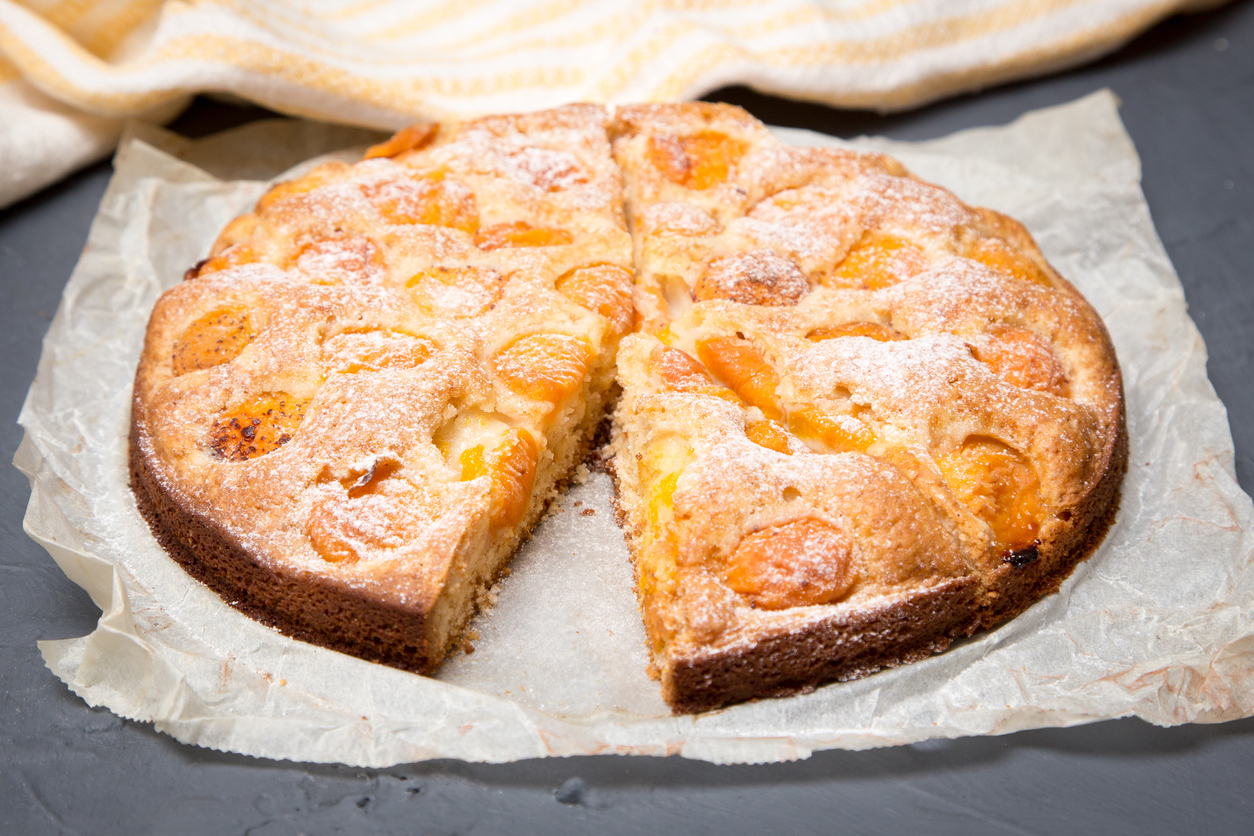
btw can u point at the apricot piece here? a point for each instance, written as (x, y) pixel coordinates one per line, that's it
(353, 259)
(460, 291)
(378, 517)
(232, 256)
(996, 253)
(604, 289)
(372, 350)
(742, 366)
(874, 330)
(544, 367)
(411, 138)
(430, 200)
(770, 435)
(1021, 358)
(834, 435)
(1000, 487)
(512, 470)
(217, 337)
(546, 168)
(754, 278)
(321, 176)
(696, 161)
(878, 261)
(520, 234)
(256, 427)
(796, 564)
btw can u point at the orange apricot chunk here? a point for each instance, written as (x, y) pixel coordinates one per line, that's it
(1021, 358)
(743, 367)
(319, 177)
(544, 367)
(431, 201)
(256, 427)
(679, 371)
(996, 253)
(697, 161)
(460, 291)
(874, 330)
(1000, 487)
(217, 337)
(796, 564)
(411, 138)
(232, 256)
(353, 259)
(520, 234)
(512, 470)
(762, 277)
(604, 289)
(373, 350)
(878, 261)
(770, 435)
(845, 435)
(380, 514)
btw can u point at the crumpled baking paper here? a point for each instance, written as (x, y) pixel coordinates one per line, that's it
(1158, 623)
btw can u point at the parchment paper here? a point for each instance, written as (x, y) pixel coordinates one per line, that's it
(1159, 623)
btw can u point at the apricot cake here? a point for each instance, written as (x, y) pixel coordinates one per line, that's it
(858, 420)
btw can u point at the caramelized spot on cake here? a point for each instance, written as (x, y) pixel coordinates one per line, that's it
(217, 337)
(878, 261)
(372, 350)
(512, 469)
(520, 234)
(770, 435)
(351, 260)
(996, 253)
(369, 481)
(1000, 487)
(256, 427)
(411, 138)
(432, 201)
(232, 256)
(755, 278)
(320, 176)
(1021, 358)
(545, 367)
(603, 289)
(797, 564)
(460, 291)
(743, 367)
(697, 161)
(874, 330)
(831, 435)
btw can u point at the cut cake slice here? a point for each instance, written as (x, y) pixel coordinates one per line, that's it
(861, 418)
(349, 415)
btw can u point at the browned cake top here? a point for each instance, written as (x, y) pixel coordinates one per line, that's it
(365, 372)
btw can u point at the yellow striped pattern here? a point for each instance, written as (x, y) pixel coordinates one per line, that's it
(383, 62)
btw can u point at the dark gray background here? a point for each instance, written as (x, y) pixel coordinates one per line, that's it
(1188, 100)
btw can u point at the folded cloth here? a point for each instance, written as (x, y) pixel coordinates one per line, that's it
(76, 67)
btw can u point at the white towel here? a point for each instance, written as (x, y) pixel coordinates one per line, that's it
(70, 70)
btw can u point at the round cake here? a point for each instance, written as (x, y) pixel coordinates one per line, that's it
(858, 418)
